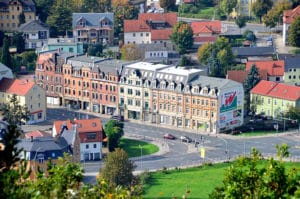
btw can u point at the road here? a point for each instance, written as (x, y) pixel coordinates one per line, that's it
(174, 153)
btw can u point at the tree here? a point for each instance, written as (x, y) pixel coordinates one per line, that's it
(43, 8)
(167, 4)
(19, 42)
(240, 21)
(95, 49)
(21, 18)
(282, 151)
(247, 178)
(130, 52)
(182, 37)
(295, 3)
(294, 33)
(261, 7)
(118, 169)
(60, 18)
(1, 38)
(227, 6)
(293, 113)
(5, 55)
(114, 131)
(250, 82)
(204, 52)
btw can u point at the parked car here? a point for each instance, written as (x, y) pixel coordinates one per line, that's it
(118, 117)
(185, 139)
(169, 136)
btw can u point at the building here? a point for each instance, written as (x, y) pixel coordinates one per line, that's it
(5, 72)
(173, 96)
(241, 75)
(90, 134)
(149, 28)
(273, 99)
(291, 69)
(93, 28)
(288, 18)
(35, 34)
(28, 94)
(10, 11)
(244, 54)
(273, 69)
(64, 45)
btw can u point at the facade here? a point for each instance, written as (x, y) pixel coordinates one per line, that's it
(90, 134)
(64, 45)
(273, 99)
(288, 18)
(292, 70)
(11, 10)
(168, 95)
(93, 28)
(149, 28)
(28, 93)
(273, 69)
(35, 34)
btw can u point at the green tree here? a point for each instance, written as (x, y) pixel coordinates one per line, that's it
(114, 131)
(293, 113)
(118, 169)
(261, 7)
(182, 37)
(95, 49)
(240, 21)
(5, 55)
(19, 42)
(282, 151)
(247, 178)
(294, 33)
(130, 52)
(295, 3)
(60, 18)
(21, 18)
(43, 8)
(227, 6)
(204, 52)
(250, 82)
(167, 4)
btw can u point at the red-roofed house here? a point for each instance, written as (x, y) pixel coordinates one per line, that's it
(288, 18)
(241, 75)
(28, 93)
(149, 28)
(90, 134)
(205, 31)
(274, 69)
(272, 98)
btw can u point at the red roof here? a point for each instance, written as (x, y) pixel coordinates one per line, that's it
(84, 126)
(290, 15)
(37, 133)
(199, 27)
(163, 34)
(277, 90)
(272, 68)
(142, 24)
(237, 75)
(210, 39)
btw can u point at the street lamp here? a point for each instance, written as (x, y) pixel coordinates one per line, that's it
(141, 147)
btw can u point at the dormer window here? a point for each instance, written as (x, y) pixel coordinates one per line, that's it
(196, 90)
(163, 85)
(187, 88)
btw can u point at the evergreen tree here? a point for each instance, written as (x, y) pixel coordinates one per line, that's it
(5, 56)
(182, 37)
(250, 82)
(294, 33)
(240, 21)
(214, 69)
(19, 42)
(118, 169)
(114, 131)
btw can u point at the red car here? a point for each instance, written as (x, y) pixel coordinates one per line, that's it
(169, 136)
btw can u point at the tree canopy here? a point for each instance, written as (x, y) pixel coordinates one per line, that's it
(261, 7)
(5, 55)
(182, 37)
(240, 21)
(167, 4)
(275, 14)
(114, 131)
(227, 6)
(294, 33)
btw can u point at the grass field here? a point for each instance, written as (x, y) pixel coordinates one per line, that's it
(133, 147)
(199, 181)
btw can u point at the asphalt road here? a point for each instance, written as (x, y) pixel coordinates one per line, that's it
(174, 153)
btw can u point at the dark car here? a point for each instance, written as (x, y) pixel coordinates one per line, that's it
(169, 136)
(185, 139)
(118, 117)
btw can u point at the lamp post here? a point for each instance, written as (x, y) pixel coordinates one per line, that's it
(141, 156)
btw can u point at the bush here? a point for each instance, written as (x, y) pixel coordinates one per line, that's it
(145, 177)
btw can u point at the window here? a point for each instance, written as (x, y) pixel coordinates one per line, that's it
(138, 103)
(130, 102)
(91, 136)
(86, 146)
(121, 89)
(40, 115)
(146, 94)
(137, 93)
(133, 34)
(95, 146)
(129, 91)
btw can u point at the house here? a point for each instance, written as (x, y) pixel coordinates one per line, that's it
(5, 72)
(273, 98)
(288, 18)
(90, 134)
(178, 97)
(241, 75)
(35, 34)
(244, 54)
(10, 10)
(28, 94)
(38, 151)
(68, 45)
(93, 27)
(206, 28)
(291, 69)
(274, 69)
(149, 28)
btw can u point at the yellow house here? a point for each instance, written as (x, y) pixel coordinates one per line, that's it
(28, 93)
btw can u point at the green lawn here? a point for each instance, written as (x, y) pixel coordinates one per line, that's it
(199, 181)
(132, 147)
(258, 133)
